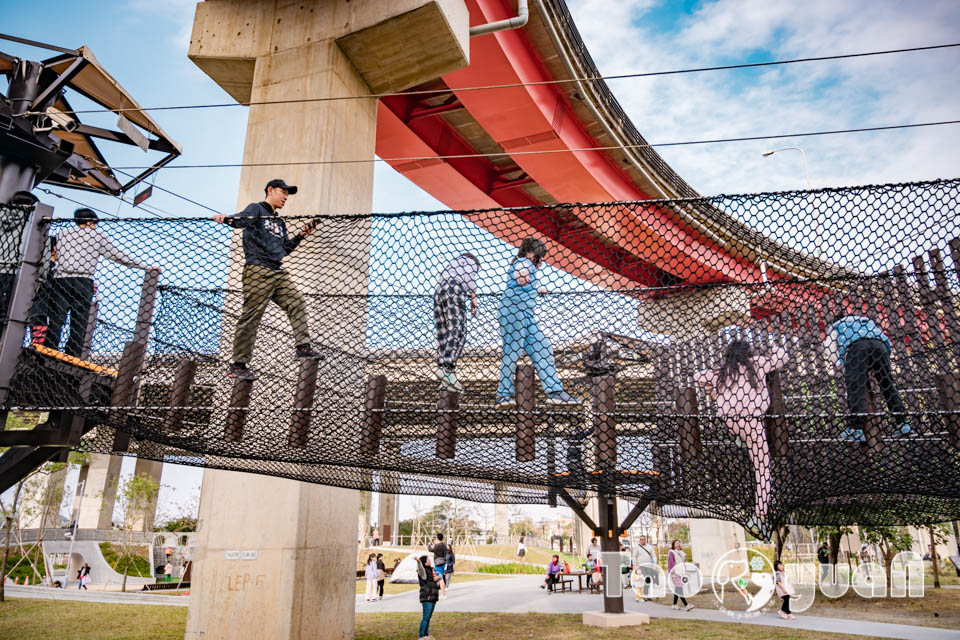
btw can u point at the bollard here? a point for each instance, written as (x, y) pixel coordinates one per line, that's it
(303, 404)
(180, 394)
(688, 424)
(375, 399)
(448, 416)
(774, 421)
(526, 422)
(237, 413)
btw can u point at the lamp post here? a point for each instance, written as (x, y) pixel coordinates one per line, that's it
(806, 173)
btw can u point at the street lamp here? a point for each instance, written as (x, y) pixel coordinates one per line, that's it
(806, 172)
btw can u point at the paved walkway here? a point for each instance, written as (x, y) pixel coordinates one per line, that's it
(521, 595)
(112, 597)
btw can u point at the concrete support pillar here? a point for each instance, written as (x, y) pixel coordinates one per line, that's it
(364, 519)
(688, 316)
(711, 539)
(290, 533)
(386, 518)
(100, 492)
(501, 513)
(152, 469)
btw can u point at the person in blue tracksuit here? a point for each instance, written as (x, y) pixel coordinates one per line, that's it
(860, 348)
(520, 331)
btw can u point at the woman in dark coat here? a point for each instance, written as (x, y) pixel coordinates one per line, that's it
(429, 593)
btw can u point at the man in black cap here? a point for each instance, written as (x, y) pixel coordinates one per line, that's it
(265, 245)
(71, 289)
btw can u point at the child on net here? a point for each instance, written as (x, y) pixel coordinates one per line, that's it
(740, 389)
(457, 282)
(520, 331)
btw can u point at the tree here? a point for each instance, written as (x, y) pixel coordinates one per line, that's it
(136, 496)
(832, 536)
(939, 534)
(890, 541)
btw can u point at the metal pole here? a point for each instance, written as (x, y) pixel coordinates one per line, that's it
(24, 287)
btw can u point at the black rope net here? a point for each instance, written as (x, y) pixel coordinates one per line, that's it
(804, 371)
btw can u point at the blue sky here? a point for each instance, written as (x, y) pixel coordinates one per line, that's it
(143, 44)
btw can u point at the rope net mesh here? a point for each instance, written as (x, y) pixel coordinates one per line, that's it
(803, 371)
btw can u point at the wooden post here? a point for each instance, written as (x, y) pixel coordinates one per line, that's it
(688, 424)
(526, 386)
(943, 293)
(125, 389)
(375, 399)
(774, 421)
(604, 424)
(237, 413)
(448, 415)
(134, 354)
(180, 394)
(610, 542)
(299, 434)
(948, 391)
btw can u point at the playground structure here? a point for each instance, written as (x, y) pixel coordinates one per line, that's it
(671, 271)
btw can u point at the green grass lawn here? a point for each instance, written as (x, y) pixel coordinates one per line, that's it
(28, 619)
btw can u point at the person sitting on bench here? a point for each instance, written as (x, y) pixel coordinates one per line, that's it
(554, 571)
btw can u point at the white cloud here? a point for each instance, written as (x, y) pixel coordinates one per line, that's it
(894, 89)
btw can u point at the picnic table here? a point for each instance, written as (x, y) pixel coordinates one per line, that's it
(579, 575)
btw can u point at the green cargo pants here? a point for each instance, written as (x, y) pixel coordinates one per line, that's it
(260, 286)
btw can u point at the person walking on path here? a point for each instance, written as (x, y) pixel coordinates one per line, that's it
(439, 549)
(265, 245)
(429, 593)
(83, 577)
(677, 556)
(740, 389)
(79, 251)
(643, 556)
(375, 542)
(370, 573)
(457, 282)
(381, 575)
(521, 549)
(784, 589)
(448, 569)
(823, 557)
(860, 348)
(521, 332)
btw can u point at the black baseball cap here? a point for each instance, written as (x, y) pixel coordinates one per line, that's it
(81, 216)
(277, 182)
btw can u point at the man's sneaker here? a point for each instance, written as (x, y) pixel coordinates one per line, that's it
(448, 380)
(853, 435)
(676, 606)
(561, 398)
(240, 372)
(38, 334)
(506, 402)
(306, 352)
(905, 431)
(689, 607)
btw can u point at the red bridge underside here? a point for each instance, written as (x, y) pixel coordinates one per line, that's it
(623, 248)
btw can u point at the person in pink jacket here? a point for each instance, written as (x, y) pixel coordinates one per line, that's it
(740, 389)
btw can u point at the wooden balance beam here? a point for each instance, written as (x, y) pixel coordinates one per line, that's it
(77, 362)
